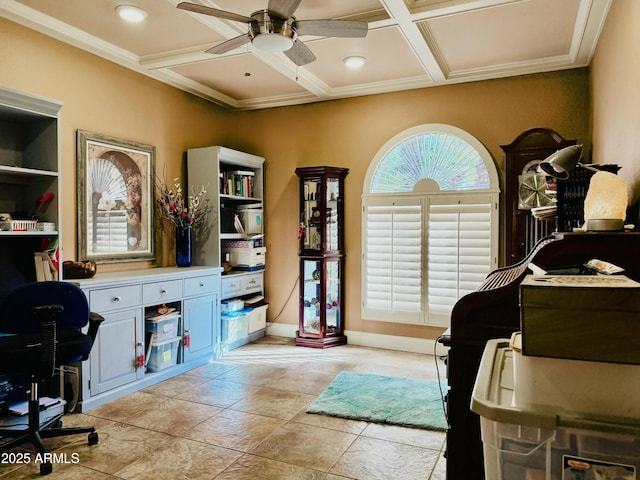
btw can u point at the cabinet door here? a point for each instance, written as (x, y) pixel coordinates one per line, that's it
(113, 356)
(201, 326)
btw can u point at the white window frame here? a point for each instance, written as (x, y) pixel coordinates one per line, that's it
(466, 208)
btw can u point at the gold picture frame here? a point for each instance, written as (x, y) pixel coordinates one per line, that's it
(115, 199)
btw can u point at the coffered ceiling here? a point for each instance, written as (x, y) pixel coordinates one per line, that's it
(410, 44)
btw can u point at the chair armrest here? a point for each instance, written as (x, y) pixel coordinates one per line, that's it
(95, 320)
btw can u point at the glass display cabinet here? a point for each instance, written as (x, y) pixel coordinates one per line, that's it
(321, 257)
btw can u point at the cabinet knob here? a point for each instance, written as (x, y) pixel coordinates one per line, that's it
(202, 284)
(116, 299)
(163, 291)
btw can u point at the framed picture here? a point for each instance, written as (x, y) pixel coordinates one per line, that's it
(115, 199)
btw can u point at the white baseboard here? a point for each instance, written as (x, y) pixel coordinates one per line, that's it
(390, 342)
(282, 330)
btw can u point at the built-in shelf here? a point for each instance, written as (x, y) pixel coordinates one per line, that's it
(12, 171)
(28, 233)
(29, 173)
(232, 172)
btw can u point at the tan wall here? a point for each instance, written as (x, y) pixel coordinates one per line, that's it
(348, 133)
(615, 79)
(102, 97)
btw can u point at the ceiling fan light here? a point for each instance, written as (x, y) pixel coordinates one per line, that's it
(354, 61)
(272, 42)
(131, 13)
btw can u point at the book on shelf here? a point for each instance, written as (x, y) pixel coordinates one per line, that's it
(237, 183)
(45, 269)
(238, 224)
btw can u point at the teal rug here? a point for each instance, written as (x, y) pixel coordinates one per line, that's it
(381, 399)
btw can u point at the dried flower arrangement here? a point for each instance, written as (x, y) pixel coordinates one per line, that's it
(183, 212)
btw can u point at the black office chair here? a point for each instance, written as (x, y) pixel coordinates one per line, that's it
(40, 327)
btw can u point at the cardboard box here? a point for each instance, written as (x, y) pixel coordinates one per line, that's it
(250, 257)
(249, 243)
(582, 317)
(251, 219)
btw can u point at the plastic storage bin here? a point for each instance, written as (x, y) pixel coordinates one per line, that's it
(257, 318)
(570, 384)
(235, 326)
(163, 328)
(548, 442)
(163, 354)
(231, 305)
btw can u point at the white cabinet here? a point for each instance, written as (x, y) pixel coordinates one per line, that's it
(29, 182)
(235, 187)
(121, 338)
(200, 335)
(114, 353)
(125, 345)
(240, 284)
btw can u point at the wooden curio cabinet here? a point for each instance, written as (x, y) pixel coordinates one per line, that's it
(321, 256)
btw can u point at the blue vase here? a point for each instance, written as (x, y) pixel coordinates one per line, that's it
(183, 247)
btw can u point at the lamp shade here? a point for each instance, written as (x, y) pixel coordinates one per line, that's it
(272, 42)
(562, 162)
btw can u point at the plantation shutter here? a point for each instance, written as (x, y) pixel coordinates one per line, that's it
(459, 241)
(429, 224)
(393, 260)
(110, 233)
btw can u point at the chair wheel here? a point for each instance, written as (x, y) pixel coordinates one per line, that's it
(93, 438)
(58, 424)
(46, 468)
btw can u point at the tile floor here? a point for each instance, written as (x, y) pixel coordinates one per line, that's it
(243, 417)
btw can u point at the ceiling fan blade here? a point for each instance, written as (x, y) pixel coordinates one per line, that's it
(283, 9)
(300, 54)
(214, 12)
(229, 45)
(332, 28)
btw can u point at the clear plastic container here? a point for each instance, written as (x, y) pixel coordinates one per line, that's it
(163, 354)
(163, 328)
(548, 442)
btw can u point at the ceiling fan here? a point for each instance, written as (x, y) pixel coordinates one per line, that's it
(276, 29)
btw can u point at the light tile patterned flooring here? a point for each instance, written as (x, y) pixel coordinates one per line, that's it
(243, 417)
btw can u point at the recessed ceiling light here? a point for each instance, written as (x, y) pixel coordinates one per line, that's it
(354, 61)
(131, 13)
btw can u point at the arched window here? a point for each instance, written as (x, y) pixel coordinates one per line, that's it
(429, 224)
